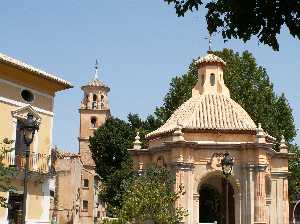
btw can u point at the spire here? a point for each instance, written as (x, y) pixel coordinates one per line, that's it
(137, 144)
(177, 134)
(260, 134)
(283, 147)
(96, 70)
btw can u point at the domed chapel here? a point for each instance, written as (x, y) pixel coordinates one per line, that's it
(192, 144)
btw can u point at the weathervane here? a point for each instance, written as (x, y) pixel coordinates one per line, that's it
(96, 70)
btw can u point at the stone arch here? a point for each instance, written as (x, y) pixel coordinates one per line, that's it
(233, 181)
(218, 173)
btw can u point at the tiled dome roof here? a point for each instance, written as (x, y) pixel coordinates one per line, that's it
(96, 83)
(208, 112)
(210, 58)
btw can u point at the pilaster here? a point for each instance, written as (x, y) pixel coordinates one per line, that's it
(260, 195)
(184, 179)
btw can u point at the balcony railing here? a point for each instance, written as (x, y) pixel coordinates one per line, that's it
(37, 162)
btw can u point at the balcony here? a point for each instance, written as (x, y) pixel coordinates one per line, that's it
(38, 163)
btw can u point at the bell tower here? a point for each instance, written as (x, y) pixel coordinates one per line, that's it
(94, 110)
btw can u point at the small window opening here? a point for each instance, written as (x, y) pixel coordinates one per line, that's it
(93, 122)
(94, 103)
(94, 97)
(86, 183)
(212, 79)
(52, 193)
(27, 95)
(102, 105)
(85, 205)
(102, 98)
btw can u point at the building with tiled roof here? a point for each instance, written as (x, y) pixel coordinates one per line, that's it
(27, 93)
(193, 143)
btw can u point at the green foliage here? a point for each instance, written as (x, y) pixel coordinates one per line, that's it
(143, 126)
(294, 178)
(109, 149)
(150, 197)
(5, 172)
(244, 19)
(109, 146)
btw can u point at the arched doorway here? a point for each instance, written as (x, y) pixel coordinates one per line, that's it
(212, 201)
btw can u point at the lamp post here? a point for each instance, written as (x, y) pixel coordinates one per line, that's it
(227, 164)
(28, 127)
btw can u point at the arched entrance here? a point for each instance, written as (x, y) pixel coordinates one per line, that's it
(212, 201)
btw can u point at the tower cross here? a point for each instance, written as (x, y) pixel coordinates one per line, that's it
(209, 38)
(96, 70)
(209, 42)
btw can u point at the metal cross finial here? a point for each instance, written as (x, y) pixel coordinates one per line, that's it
(96, 70)
(209, 42)
(209, 38)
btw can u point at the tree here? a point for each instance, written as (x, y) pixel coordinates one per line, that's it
(109, 150)
(244, 19)
(109, 147)
(294, 179)
(5, 172)
(150, 197)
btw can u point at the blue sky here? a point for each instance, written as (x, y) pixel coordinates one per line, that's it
(141, 45)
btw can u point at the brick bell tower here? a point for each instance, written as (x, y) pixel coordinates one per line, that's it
(94, 110)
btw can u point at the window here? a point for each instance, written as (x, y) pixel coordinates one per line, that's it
(93, 122)
(102, 98)
(85, 183)
(94, 103)
(102, 105)
(94, 97)
(15, 202)
(212, 79)
(52, 193)
(27, 95)
(85, 205)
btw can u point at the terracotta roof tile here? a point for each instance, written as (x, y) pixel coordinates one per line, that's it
(19, 64)
(210, 58)
(208, 112)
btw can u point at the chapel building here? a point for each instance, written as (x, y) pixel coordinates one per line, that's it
(25, 89)
(193, 142)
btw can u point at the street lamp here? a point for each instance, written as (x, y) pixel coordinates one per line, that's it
(28, 127)
(227, 164)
